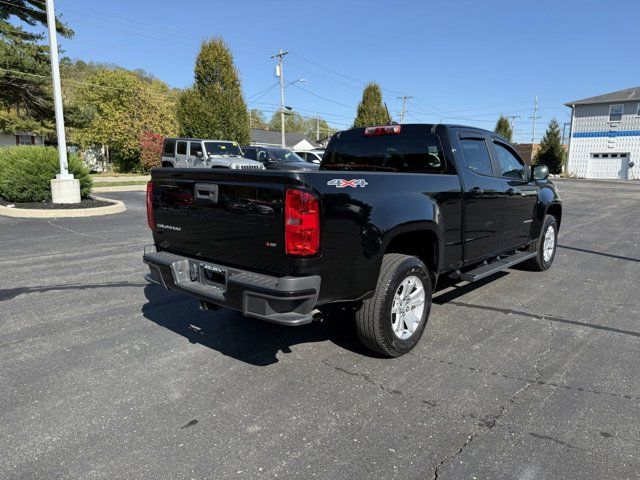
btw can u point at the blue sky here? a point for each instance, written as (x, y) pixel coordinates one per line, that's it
(462, 61)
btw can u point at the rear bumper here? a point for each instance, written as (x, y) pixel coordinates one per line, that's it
(283, 300)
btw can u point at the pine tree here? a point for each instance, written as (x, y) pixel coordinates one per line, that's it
(551, 152)
(503, 128)
(214, 107)
(25, 84)
(371, 110)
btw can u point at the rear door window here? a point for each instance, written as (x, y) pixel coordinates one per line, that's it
(182, 148)
(476, 155)
(169, 147)
(417, 153)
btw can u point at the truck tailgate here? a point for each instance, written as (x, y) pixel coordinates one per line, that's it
(233, 218)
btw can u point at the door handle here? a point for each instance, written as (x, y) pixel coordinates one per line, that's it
(476, 191)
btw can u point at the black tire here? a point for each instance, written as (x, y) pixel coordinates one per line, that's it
(167, 165)
(538, 263)
(374, 319)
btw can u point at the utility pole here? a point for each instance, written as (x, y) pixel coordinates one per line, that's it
(317, 127)
(404, 99)
(280, 73)
(533, 127)
(64, 188)
(512, 121)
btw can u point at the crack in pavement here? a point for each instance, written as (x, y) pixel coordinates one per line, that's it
(379, 385)
(487, 424)
(75, 232)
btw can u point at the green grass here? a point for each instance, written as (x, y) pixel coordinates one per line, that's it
(96, 176)
(98, 183)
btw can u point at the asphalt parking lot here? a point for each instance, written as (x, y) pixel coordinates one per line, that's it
(528, 376)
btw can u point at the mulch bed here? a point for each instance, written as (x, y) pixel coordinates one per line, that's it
(84, 203)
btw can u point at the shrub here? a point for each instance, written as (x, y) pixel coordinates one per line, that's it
(150, 150)
(26, 171)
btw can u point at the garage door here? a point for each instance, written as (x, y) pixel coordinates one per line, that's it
(608, 165)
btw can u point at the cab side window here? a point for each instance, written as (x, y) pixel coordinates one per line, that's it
(182, 148)
(249, 153)
(476, 155)
(194, 148)
(510, 165)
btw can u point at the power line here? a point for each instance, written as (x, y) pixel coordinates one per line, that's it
(323, 98)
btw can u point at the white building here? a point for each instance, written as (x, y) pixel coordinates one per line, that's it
(21, 138)
(273, 138)
(605, 136)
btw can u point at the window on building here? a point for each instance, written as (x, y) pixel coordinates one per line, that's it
(25, 140)
(615, 113)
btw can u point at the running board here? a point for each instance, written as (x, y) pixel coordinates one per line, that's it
(488, 269)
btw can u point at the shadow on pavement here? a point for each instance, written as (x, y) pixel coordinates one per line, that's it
(250, 340)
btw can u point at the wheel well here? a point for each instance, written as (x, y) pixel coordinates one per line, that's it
(556, 211)
(420, 243)
(167, 164)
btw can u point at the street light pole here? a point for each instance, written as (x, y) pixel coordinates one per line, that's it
(57, 90)
(64, 188)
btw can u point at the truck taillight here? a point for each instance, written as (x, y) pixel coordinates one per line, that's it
(301, 223)
(150, 219)
(382, 130)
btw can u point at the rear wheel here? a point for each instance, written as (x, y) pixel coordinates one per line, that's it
(545, 247)
(393, 320)
(167, 165)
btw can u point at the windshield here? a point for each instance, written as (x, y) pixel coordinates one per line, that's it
(284, 156)
(391, 153)
(223, 148)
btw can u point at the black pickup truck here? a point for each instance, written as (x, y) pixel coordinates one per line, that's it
(392, 210)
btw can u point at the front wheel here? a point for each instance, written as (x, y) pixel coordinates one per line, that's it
(545, 246)
(393, 320)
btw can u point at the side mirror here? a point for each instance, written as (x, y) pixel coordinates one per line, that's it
(540, 172)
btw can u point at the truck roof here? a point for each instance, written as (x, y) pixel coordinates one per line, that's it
(419, 128)
(188, 139)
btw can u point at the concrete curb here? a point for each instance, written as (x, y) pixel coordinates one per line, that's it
(122, 188)
(116, 207)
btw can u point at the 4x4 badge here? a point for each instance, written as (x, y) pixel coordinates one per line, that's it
(342, 183)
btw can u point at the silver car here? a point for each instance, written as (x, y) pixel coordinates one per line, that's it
(311, 156)
(199, 153)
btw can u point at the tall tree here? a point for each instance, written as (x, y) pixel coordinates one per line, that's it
(25, 85)
(214, 107)
(371, 110)
(295, 122)
(119, 106)
(257, 120)
(504, 128)
(551, 152)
